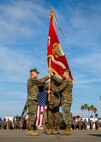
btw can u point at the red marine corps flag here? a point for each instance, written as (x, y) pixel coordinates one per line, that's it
(56, 57)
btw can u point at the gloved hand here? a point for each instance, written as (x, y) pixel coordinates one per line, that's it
(51, 72)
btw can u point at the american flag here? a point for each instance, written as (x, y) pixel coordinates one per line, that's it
(41, 107)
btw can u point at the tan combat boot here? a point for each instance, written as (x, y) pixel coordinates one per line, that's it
(32, 133)
(49, 132)
(55, 132)
(66, 132)
(29, 131)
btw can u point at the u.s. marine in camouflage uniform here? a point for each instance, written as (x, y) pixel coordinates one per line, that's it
(65, 89)
(52, 115)
(33, 85)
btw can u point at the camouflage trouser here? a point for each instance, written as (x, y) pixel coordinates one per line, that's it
(45, 119)
(32, 111)
(67, 116)
(56, 118)
(53, 121)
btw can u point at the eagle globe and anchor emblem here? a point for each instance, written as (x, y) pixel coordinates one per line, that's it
(57, 50)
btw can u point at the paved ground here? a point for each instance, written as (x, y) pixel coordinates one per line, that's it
(77, 136)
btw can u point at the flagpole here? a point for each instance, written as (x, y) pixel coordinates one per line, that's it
(49, 83)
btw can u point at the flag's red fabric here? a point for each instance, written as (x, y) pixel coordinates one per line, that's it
(40, 120)
(56, 58)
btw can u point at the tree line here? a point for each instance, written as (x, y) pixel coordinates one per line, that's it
(92, 111)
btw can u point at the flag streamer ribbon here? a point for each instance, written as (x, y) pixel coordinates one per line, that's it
(56, 20)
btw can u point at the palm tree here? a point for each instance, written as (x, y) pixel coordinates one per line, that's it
(85, 107)
(92, 107)
(94, 110)
(89, 108)
(96, 115)
(82, 108)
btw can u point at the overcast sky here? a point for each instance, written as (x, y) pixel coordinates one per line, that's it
(23, 45)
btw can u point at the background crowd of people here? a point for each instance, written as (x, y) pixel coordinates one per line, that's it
(83, 124)
(77, 123)
(17, 123)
